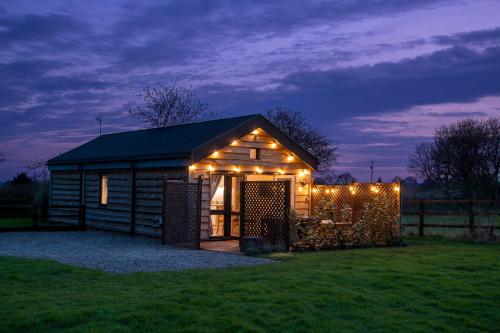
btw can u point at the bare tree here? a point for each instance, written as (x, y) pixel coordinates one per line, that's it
(297, 127)
(39, 170)
(170, 105)
(463, 159)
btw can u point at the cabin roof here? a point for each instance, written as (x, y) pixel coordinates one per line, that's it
(193, 141)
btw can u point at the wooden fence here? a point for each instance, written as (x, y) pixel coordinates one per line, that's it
(22, 210)
(471, 209)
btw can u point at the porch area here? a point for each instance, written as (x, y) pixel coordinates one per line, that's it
(227, 246)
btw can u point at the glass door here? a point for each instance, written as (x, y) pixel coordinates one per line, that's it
(225, 205)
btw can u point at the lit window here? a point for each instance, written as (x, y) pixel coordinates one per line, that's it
(104, 189)
(254, 153)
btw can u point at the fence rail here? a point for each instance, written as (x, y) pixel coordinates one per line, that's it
(32, 212)
(471, 211)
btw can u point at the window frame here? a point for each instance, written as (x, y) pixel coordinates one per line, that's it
(101, 177)
(257, 154)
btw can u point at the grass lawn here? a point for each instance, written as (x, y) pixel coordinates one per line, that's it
(14, 222)
(430, 285)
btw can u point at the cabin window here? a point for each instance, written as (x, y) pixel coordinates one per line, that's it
(254, 153)
(104, 190)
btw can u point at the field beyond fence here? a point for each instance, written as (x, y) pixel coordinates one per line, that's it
(450, 217)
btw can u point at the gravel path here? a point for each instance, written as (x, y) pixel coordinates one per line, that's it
(114, 253)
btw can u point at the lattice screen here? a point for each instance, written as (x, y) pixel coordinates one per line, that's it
(348, 200)
(182, 214)
(264, 212)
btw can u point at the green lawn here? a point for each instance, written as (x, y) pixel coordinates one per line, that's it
(14, 222)
(429, 285)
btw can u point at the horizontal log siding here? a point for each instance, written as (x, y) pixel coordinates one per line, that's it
(272, 159)
(65, 191)
(116, 214)
(149, 199)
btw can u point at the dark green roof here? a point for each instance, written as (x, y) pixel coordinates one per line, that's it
(193, 141)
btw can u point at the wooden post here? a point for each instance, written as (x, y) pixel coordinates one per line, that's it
(83, 217)
(198, 209)
(471, 217)
(164, 210)
(421, 214)
(287, 214)
(132, 200)
(34, 217)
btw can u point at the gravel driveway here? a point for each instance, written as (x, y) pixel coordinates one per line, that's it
(114, 253)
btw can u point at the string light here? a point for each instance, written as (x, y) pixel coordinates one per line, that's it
(274, 145)
(255, 132)
(396, 188)
(236, 169)
(234, 143)
(289, 158)
(192, 167)
(351, 188)
(215, 154)
(211, 168)
(281, 172)
(258, 169)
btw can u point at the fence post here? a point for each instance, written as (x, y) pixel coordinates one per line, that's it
(164, 211)
(471, 217)
(421, 214)
(199, 197)
(34, 218)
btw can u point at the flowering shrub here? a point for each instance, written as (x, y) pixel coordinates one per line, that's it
(377, 224)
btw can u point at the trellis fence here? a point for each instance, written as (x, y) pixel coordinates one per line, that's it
(348, 200)
(182, 214)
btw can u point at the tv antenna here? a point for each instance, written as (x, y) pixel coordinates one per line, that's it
(99, 119)
(371, 171)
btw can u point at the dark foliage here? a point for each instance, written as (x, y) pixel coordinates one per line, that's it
(21, 179)
(463, 159)
(297, 127)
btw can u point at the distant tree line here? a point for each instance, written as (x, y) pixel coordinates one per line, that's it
(463, 159)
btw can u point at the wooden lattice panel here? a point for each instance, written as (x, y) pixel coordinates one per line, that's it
(182, 214)
(264, 212)
(348, 200)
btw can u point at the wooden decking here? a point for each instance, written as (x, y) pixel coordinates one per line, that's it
(228, 246)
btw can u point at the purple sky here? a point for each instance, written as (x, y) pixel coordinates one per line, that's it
(377, 76)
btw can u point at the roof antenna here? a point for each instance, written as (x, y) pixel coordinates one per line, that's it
(99, 119)
(371, 170)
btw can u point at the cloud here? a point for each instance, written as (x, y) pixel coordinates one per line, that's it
(478, 37)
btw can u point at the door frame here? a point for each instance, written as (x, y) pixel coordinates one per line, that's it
(227, 211)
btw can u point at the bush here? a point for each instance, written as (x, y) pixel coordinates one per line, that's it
(376, 225)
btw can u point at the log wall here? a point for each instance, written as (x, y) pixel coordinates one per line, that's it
(117, 213)
(65, 191)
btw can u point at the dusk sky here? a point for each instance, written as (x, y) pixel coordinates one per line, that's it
(376, 76)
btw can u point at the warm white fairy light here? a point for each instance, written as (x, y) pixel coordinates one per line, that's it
(211, 168)
(289, 158)
(274, 145)
(255, 132)
(281, 171)
(192, 167)
(234, 143)
(236, 169)
(397, 188)
(215, 154)
(258, 169)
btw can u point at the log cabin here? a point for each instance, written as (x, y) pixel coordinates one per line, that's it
(119, 177)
